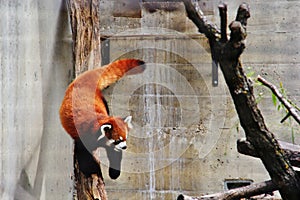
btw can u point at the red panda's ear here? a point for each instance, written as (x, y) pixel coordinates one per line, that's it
(128, 120)
(103, 129)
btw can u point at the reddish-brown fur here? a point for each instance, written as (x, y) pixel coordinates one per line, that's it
(83, 110)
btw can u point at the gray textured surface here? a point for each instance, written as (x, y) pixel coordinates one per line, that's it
(35, 62)
(172, 149)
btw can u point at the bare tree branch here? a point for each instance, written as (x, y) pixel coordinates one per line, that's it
(243, 14)
(210, 30)
(292, 151)
(223, 17)
(285, 102)
(238, 193)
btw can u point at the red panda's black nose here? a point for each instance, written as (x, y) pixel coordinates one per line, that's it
(125, 147)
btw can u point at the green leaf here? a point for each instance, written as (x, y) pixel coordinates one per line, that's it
(258, 83)
(280, 84)
(281, 89)
(250, 74)
(274, 99)
(278, 107)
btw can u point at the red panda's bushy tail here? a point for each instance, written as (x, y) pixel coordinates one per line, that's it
(116, 70)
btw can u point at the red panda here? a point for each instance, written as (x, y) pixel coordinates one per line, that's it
(84, 112)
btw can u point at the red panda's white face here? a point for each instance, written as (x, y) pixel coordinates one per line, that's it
(116, 130)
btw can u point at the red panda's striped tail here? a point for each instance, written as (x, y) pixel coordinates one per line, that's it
(116, 70)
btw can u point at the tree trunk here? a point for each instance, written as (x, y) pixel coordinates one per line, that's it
(85, 24)
(227, 52)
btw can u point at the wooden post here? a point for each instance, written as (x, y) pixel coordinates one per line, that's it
(85, 24)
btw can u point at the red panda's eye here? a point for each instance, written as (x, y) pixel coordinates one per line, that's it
(117, 142)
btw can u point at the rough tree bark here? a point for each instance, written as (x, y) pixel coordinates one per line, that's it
(227, 53)
(292, 151)
(238, 193)
(85, 24)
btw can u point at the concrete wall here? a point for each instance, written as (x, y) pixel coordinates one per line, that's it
(199, 154)
(185, 132)
(36, 154)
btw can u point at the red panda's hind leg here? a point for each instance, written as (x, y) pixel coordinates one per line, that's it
(86, 162)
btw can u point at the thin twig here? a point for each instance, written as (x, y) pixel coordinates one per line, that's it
(280, 97)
